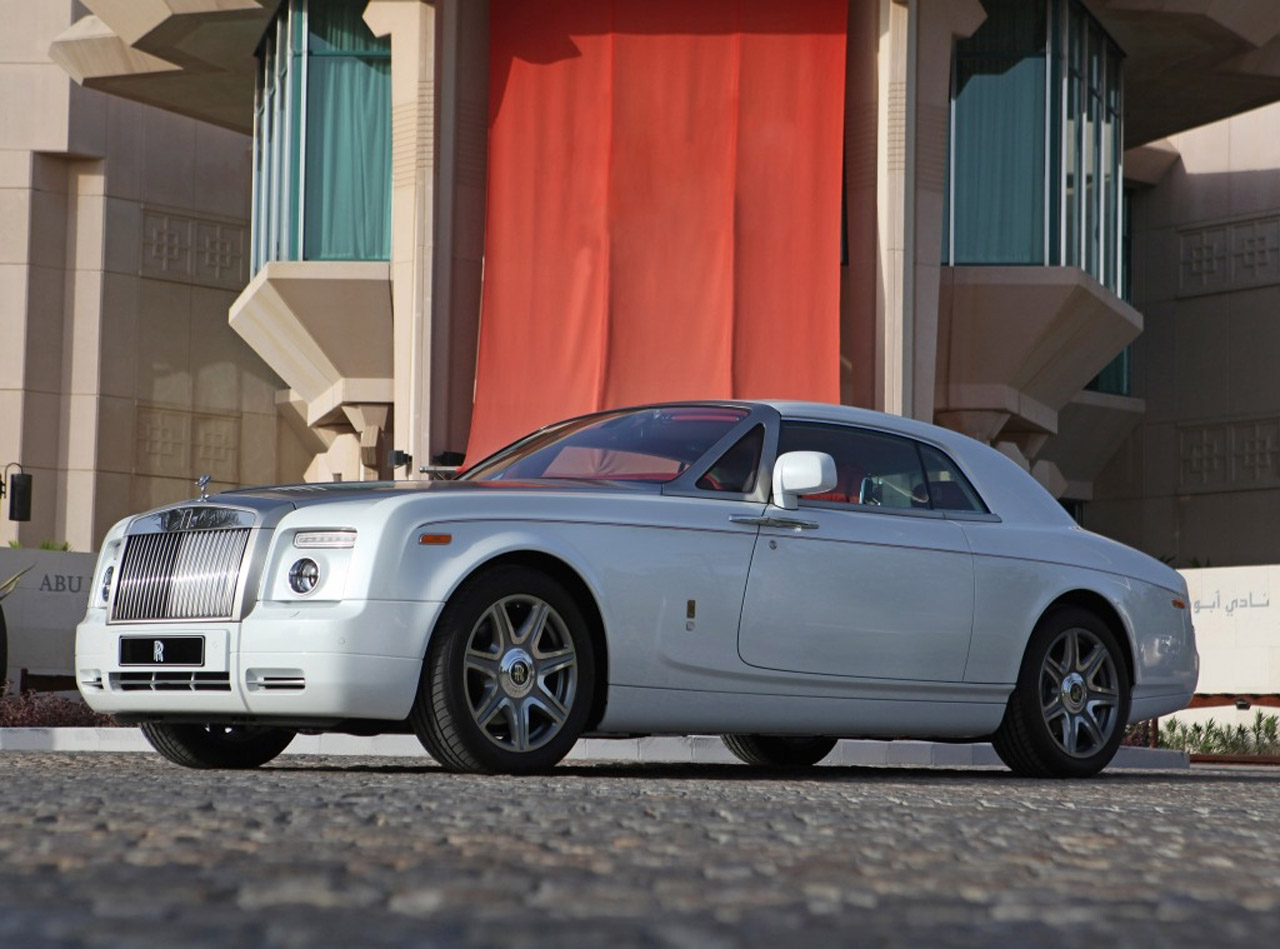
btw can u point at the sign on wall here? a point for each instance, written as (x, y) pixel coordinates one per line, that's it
(43, 610)
(1236, 612)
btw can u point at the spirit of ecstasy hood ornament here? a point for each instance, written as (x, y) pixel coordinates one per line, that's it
(203, 484)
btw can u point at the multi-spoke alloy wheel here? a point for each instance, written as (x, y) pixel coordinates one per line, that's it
(1068, 711)
(1079, 692)
(508, 676)
(521, 673)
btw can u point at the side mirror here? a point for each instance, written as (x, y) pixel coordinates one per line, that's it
(801, 472)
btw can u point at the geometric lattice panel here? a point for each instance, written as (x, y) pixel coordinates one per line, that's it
(198, 250)
(1229, 456)
(1237, 255)
(176, 444)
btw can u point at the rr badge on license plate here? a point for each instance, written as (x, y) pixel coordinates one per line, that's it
(162, 650)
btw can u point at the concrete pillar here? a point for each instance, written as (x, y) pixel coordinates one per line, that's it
(81, 354)
(411, 24)
(916, 41)
(858, 307)
(439, 101)
(460, 224)
(895, 165)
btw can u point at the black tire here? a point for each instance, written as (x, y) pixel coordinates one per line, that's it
(217, 746)
(1068, 711)
(775, 751)
(508, 678)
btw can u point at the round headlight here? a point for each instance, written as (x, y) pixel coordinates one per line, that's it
(303, 576)
(106, 583)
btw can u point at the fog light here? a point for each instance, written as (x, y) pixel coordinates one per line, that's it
(303, 576)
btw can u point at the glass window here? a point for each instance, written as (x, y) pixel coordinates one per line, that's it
(322, 136)
(652, 444)
(737, 469)
(871, 468)
(1034, 175)
(1117, 377)
(999, 154)
(348, 154)
(949, 490)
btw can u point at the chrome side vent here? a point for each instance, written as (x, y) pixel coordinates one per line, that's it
(180, 575)
(275, 680)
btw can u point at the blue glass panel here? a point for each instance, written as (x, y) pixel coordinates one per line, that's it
(999, 160)
(348, 159)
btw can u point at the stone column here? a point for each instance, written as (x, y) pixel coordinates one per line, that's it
(916, 41)
(894, 166)
(411, 24)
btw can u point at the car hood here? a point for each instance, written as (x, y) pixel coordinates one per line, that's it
(303, 495)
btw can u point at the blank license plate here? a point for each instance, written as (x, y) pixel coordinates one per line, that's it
(162, 651)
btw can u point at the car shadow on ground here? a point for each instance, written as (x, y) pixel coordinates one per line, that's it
(822, 774)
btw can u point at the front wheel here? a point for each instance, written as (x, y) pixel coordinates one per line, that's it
(1069, 708)
(508, 678)
(217, 746)
(776, 751)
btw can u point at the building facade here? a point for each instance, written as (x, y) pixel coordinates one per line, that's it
(1198, 479)
(124, 239)
(472, 216)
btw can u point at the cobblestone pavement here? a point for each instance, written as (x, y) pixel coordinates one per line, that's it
(127, 850)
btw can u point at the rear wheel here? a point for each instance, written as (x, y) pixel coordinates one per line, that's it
(508, 678)
(1068, 710)
(217, 746)
(775, 751)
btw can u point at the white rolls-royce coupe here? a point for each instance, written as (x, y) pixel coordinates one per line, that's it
(783, 574)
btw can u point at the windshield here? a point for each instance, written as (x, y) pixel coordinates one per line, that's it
(652, 444)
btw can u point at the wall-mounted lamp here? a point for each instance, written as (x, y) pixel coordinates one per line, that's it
(19, 492)
(444, 466)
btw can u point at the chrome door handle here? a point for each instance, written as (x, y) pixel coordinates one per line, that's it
(785, 523)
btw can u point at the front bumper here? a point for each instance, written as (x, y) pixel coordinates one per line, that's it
(338, 660)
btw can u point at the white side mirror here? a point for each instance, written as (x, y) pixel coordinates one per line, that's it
(801, 472)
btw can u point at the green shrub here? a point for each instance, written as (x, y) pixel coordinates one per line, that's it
(1262, 737)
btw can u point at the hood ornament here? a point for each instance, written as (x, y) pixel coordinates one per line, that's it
(202, 483)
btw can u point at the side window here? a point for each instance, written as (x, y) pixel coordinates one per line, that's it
(735, 472)
(949, 490)
(871, 468)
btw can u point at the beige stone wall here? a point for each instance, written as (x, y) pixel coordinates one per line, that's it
(1199, 479)
(123, 242)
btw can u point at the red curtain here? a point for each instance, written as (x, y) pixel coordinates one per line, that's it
(664, 206)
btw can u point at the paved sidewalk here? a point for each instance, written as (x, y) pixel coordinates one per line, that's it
(701, 749)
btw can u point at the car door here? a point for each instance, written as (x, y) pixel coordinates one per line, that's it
(874, 582)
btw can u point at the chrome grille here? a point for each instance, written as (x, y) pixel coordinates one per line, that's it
(170, 681)
(180, 575)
